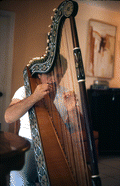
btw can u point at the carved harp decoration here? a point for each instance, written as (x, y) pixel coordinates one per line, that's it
(57, 132)
(44, 64)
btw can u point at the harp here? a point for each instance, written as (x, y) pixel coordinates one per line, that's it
(58, 121)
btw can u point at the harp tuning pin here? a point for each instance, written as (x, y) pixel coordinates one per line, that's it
(51, 17)
(44, 55)
(55, 9)
(48, 35)
(46, 48)
(35, 58)
(38, 58)
(30, 61)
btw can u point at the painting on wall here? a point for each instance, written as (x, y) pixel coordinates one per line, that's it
(101, 49)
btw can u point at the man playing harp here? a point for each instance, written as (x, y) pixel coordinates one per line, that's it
(18, 110)
(57, 87)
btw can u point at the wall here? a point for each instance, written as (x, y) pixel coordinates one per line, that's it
(86, 12)
(31, 27)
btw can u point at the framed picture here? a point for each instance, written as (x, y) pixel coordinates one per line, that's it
(101, 49)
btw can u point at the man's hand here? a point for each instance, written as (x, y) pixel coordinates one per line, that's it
(69, 100)
(40, 91)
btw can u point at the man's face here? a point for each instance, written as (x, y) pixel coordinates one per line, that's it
(51, 80)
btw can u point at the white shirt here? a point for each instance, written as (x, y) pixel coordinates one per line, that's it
(25, 130)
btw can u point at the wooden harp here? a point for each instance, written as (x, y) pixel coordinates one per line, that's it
(57, 121)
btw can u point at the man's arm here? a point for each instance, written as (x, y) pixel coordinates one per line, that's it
(18, 108)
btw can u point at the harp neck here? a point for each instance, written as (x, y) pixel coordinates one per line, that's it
(44, 64)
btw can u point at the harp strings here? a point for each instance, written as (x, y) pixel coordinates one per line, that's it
(76, 135)
(65, 100)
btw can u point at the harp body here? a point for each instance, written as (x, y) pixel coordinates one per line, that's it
(57, 130)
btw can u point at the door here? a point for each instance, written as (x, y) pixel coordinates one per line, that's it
(6, 58)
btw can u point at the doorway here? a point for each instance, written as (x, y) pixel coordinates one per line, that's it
(7, 20)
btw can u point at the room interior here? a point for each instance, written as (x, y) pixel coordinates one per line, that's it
(30, 22)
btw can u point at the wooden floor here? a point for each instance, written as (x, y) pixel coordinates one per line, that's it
(109, 168)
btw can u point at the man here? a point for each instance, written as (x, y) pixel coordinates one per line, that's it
(18, 110)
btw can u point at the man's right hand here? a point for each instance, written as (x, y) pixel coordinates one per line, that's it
(40, 91)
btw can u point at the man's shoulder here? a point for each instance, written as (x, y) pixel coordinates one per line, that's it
(20, 89)
(20, 93)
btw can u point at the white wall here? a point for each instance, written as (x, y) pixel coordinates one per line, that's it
(86, 12)
(6, 58)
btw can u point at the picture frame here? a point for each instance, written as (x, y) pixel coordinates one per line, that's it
(100, 49)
